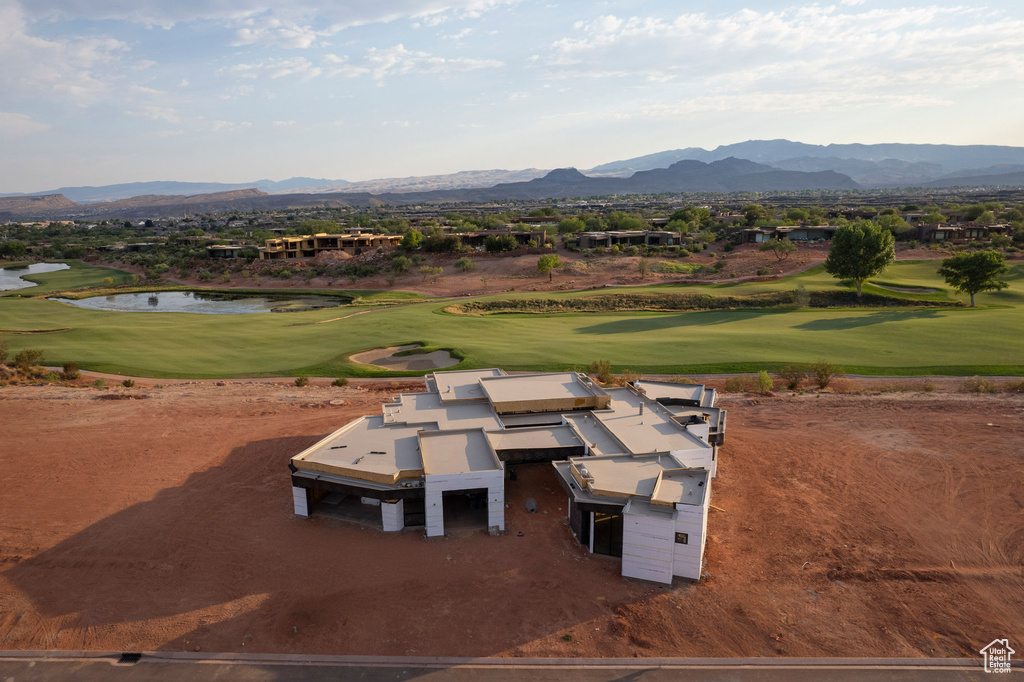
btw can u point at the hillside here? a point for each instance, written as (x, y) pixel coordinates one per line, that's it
(35, 204)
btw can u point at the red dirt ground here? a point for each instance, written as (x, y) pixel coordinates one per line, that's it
(850, 525)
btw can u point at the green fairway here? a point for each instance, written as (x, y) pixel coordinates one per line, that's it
(985, 340)
(79, 276)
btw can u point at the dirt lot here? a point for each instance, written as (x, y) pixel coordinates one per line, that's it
(852, 525)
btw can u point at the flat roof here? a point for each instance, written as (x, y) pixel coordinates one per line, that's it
(420, 408)
(670, 389)
(456, 452)
(624, 475)
(559, 385)
(534, 438)
(595, 434)
(680, 486)
(367, 449)
(652, 431)
(463, 384)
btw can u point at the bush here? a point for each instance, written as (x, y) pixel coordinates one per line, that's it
(601, 369)
(128, 383)
(741, 384)
(764, 383)
(823, 372)
(99, 383)
(443, 243)
(1014, 387)
(205, 275)
(51, 377)
(3, 352)
(764, 271)
(340, 382)
(465, 264)
(792, 375)
(302, 381)
(27, 359)
(71, 371)
(977, 385)
(728, 246)
(498, 243)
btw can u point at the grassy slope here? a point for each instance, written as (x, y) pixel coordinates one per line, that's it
(80, 275)
(951, 341)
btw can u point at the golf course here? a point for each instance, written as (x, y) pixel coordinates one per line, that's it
(914, 340)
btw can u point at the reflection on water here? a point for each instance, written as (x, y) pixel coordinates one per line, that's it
(10, 277)
(206, 303)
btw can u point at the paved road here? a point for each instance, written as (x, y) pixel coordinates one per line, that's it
(104, 667)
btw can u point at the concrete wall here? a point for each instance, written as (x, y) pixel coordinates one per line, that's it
(392, 515)
(493, 481)
(647, 545)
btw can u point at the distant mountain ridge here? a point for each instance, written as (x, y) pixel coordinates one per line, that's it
(870, 165)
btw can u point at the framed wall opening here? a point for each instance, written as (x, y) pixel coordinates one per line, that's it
(465, 510)
(607, 534)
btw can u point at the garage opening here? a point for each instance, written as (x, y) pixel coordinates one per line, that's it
(607, 534)
(465, 509)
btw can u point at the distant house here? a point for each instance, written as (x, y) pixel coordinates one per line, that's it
(308, 246)
(224, 251)
(795, 233)
(590, 240)
(939, 233)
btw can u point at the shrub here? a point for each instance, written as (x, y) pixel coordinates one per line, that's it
(426, 270)
(764, 271)
(108, 281)
(498, 243)
(205, 275)
(728, 246)
(302, 381)
(792, 375)
(27, 359)
(823, 372)
(741, 384)
(443, 243)
(602, 369)
(340, 382)
(99, 383)
(225, 276)
(801, 297)
(71, 371)
(977, 385)
(1014, 387)
(764, 383)
(924, 386)
(3, 352)
(465, 264)
(128, 383)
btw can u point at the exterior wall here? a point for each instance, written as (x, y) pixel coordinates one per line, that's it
(647, 546)
(692, 520)
(392, 515)
(300, 498)
(436, 484)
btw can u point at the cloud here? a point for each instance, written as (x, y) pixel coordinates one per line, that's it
(271, 20)
(80, 69)
(285, 123)
(813, 55)
(398, 60)
(270, 31)
(19, 125)
(277, 68)
(156, 113)
(229, 126)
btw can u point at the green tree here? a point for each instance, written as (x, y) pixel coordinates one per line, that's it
(933, 218)
(754, 212)
(894, 224)
(860, 251)
(13, 250)
(412, 239)
(547, 263)
(972, 273)
(643, 266)
(571, 225)
(465, 264)
(782, 248)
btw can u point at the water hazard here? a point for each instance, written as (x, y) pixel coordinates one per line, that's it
(206, 303)
(11, 277)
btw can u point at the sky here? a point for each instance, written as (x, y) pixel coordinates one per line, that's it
(96, 92)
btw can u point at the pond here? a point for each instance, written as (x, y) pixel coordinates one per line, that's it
(206, 303)
(11, 276)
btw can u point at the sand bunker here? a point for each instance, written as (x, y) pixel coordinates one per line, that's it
(385, 357)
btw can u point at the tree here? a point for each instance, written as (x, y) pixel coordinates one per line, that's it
(465, 264)
(972, 273)
(547, 263)
(782, 248)
(860, 251)
(643, 267)
(754, 212)
(13, 250)
(412, 239)
(895, 224)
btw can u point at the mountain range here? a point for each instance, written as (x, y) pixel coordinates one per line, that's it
(752, 166)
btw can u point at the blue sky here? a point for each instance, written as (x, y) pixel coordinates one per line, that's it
(105, 91)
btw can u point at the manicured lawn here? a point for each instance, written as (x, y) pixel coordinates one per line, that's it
(985, 340)
(80, 275)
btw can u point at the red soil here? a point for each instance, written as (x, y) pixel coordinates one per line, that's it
(846, 525)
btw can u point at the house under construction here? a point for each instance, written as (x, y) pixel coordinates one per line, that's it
(636, 462)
